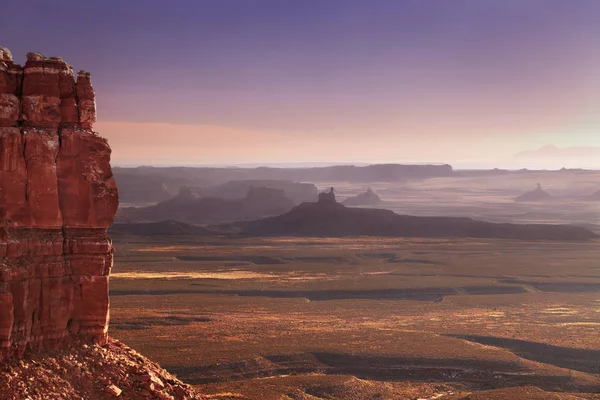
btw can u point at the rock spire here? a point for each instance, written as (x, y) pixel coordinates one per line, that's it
(57, 198)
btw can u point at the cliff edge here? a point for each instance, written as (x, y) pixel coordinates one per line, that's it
(57, 199)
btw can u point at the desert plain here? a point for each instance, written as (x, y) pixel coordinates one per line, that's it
(375, 317)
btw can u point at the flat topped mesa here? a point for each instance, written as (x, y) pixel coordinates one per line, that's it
(57, 198)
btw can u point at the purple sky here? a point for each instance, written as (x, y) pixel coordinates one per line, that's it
(469, 82)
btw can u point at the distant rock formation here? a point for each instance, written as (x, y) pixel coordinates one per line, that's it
(148, 184)
(147, 188)
(327, 218)
(57, 197)
(327, 197)
(367, 198)
(538, 194)
(187, 207)
(141, 189)
(296, 191)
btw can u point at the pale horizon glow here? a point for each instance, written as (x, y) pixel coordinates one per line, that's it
(199, 145)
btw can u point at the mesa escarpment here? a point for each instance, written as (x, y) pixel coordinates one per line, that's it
(367, 198)
(328, 218)
(57, 198)
(187, 206)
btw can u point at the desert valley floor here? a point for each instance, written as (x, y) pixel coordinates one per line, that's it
(363, 318)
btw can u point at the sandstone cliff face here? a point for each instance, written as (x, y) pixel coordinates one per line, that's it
(57, 198)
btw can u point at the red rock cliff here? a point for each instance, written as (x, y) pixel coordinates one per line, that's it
(57, 197)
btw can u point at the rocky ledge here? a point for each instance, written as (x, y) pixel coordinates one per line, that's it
(87, 371)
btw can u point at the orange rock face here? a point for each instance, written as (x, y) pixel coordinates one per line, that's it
(57, 197)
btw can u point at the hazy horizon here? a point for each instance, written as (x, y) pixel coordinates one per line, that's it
(475, 84)
(460, 167)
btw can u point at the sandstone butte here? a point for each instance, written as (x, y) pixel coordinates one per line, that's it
(57, 199)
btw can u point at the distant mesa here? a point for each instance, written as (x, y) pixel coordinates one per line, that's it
(328, 218)
(538, 194)
(298, 192)
(367, 198)
(140, 189)
(273, 199)
(144, 185)
(188, 207)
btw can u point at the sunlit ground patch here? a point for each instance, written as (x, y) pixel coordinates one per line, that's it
(559, 311)
(151, 249)
(225, 275)
(190, 275)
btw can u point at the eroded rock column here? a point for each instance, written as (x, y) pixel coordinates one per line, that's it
(57, 198)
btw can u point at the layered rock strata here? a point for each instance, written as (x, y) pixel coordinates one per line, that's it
(57, 198)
